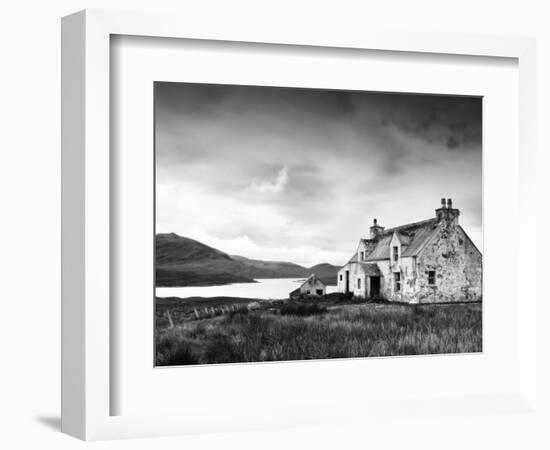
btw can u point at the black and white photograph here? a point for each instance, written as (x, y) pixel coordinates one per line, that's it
(300, 224)
(273, 225)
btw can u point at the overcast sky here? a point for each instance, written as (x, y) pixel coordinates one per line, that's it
(299, 174)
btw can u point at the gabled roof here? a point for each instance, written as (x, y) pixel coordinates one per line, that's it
(404, 239)
(370, 269)
(413, 237)
(370, 244)
(382, 249)
(312, 277)
(421, 237)
(353, 258)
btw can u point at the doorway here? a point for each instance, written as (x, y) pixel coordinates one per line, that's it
(347, 281)
(375, 287)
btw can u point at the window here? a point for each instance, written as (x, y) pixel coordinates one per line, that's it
(340, 277)
(431, 277)
(358, 283)
(395, 253)
(362, 256)
(397, 281)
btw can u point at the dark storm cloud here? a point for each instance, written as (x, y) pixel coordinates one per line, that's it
(435, 118)
(295, 167)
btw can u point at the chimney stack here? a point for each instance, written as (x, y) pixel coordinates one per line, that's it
(375, 230)
(447, 213)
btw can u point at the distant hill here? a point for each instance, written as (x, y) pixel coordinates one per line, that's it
(256, 268)
(327, 272)
(181, 261)
(173, 249)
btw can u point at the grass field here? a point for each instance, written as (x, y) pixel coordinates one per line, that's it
(209, 331)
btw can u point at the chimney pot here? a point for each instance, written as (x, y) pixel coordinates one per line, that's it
(375, 229)
(446, 214)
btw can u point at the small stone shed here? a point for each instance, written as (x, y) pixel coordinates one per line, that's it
(312, 287)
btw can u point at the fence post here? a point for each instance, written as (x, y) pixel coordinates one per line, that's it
(169, 318)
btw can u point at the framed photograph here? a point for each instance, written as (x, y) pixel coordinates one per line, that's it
(292, 212)
(263, 246)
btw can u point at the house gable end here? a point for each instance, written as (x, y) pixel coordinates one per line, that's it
(395, 247)
(469, 240)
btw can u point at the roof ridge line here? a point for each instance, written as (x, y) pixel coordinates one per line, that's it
(408, 225)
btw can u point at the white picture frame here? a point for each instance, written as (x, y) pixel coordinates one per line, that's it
(86, 219)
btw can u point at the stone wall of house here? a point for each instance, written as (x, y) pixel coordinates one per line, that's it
(457, 264)
(359, 287)
(341, 280)
(355, 273)
(405, 266)
(407, 269)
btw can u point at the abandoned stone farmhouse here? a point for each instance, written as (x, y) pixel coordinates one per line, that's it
(429, 261)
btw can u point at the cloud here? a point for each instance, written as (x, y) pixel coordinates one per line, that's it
(309, 169)
(275, 186)
(452, 142)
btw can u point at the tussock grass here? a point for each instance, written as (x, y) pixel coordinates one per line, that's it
(302, 309)
(336, 332)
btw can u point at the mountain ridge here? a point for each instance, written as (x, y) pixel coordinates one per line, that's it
(182, 261)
